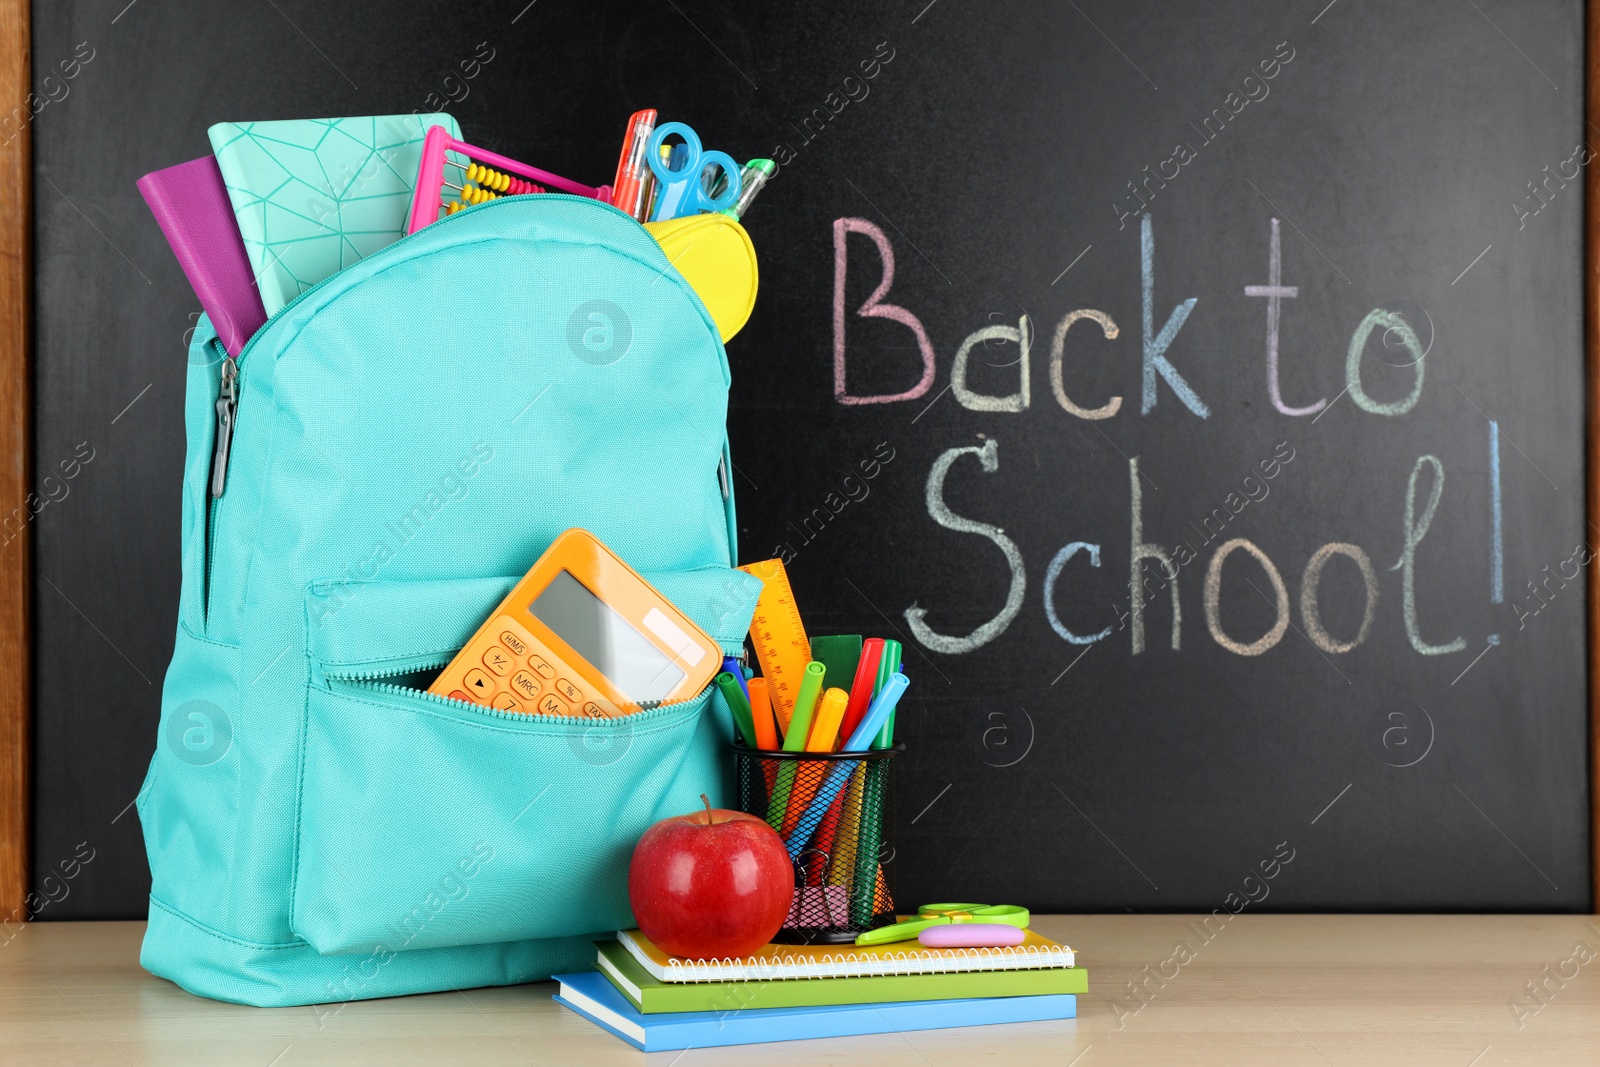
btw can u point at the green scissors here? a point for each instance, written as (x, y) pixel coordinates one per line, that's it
(939, 915)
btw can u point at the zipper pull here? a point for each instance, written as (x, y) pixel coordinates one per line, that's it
(227, 405)
(722, 476)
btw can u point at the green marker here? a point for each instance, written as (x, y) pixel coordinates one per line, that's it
(805, 703)
(870, 836)
(888, 664)
(743, 720)
(794, 740)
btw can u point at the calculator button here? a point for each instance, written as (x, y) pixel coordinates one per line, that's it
(595, 711)
(540, 664)
(514, 643)
(480, 685)
(550, 705)
(498, 660)
(507, 702)
(456, 694)
(568, 690)
(526, 684)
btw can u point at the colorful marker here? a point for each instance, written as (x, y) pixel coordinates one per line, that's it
(825, 723)
(882, 707)
(761, 711)
(824, 728)
(865, 683)
(794, 740)
(739, 706)
(888, 665)
(805, 704)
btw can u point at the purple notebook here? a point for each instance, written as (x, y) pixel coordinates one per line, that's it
(192, 207)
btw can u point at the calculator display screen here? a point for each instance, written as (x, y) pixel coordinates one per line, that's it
(603, 637)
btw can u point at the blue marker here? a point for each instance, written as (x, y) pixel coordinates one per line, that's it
(731, 665)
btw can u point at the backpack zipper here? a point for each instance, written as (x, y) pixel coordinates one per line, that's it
(227, 405)
(372, 680)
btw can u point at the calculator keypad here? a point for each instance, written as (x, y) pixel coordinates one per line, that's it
(513, 677)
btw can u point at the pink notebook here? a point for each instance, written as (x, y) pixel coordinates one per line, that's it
(192, 207)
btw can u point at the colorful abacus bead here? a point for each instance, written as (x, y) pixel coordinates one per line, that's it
(500, 182)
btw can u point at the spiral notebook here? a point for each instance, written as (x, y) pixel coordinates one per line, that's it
(651, 996)
(846, 961)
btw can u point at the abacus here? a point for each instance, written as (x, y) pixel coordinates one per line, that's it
(484, 176)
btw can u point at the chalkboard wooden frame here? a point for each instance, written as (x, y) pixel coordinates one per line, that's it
(1591, 338)
(16, 310)
(16, 454)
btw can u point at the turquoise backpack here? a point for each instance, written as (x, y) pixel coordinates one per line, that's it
(408, 437)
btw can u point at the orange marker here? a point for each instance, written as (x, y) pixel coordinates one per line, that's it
(761, 711)
(629, 189)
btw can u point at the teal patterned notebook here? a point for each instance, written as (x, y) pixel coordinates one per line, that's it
(312, 196)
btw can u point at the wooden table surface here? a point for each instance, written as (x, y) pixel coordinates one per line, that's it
(1272, 990)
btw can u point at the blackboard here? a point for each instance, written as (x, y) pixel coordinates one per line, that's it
(1397, 173)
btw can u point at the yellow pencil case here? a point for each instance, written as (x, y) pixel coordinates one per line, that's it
(715, 256)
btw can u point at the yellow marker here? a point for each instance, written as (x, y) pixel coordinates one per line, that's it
(842, 864)
(780, 639)
(825, 721)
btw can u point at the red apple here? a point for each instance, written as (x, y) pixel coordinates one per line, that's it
(710, 884)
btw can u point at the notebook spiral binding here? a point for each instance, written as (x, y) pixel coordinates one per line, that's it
(753, 968)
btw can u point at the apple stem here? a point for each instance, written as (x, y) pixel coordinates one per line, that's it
(709, 820)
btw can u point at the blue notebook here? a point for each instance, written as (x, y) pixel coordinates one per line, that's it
(597, 1000)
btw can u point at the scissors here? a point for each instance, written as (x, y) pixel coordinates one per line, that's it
(683, 189)
(939, 915)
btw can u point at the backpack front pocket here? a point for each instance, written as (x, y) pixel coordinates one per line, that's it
(425, 822)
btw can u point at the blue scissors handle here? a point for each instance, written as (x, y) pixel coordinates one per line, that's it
(682, 190)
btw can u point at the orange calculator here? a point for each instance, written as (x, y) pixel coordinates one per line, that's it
(582, 634)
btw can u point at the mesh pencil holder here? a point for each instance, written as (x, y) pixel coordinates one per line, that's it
(835, 813)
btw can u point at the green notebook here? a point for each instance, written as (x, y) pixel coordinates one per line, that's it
(653, 997)
(312, 196)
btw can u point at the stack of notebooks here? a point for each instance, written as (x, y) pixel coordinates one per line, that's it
(656, 1002)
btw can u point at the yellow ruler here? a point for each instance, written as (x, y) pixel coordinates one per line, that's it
(779, 637)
